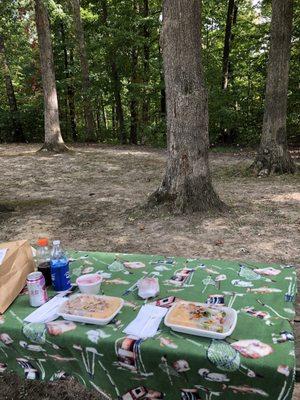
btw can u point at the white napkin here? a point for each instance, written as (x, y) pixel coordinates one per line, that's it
(146, 322)
(47, 312)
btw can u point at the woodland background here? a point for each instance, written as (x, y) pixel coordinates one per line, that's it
(126, 86)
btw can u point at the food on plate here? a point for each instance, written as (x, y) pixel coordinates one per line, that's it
(92, 306)
(197, 316)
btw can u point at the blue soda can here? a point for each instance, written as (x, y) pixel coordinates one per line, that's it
(60, 274)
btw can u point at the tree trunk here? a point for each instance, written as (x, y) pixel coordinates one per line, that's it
(53, 138)
(119, 107)
(186, 186)
(18, 135)
(87, 104)
(146, 60)
(103, 112)
(116, 82)
(133, 99)
(70, 87)
(226, 65)
(273, 155)
(133, 94)
(71, 100)
(113, 117)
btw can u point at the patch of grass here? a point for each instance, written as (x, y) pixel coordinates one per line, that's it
(233, 171)
(12, 205)
(226, 149)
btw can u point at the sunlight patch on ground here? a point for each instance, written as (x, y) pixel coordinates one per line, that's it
(286, 197)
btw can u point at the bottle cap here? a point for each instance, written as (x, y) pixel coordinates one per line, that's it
(43, 242)
(56, 242)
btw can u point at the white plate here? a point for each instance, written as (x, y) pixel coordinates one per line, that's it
(86, 320)
(229, 326)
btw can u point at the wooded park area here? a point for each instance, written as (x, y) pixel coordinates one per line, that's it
(165, 127)
(109, 76)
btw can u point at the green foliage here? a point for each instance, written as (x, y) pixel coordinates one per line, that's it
(239, 109)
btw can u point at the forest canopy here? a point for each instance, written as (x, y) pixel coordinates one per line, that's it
(125, 92)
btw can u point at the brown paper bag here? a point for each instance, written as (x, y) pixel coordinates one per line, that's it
(15, 267)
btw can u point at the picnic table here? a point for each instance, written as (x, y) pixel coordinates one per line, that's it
(256, 361)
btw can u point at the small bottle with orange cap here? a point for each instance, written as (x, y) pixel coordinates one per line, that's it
(43, 259)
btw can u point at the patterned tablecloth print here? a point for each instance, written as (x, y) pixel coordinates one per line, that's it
(256, 361)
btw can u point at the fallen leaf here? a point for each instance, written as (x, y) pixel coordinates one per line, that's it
(219, 242)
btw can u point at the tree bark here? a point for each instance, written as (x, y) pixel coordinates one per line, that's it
(53, 138)
(226, 136)
(70, 87)
(86, 85)
(273, 155)
(18, 135)
(116, 82)
(186, 186)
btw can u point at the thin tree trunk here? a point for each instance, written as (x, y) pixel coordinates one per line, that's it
(18, 135)
(226, 65)
(71, 100)
(98, 123)
(70, 88)
(146, 68)
(53, 138)
(86, 85)
(103, 113)
(133, 100)
(116, 82)
(186, 186)
(119, 107)
(133, 94)
(273, 155)
(113, 117)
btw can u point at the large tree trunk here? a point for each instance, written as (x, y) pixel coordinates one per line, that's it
(53, 138)
(70, 87)
(186, 186)
(226, 136)
(273, 155)
(87, 104)
(18, 135)
(116, 82)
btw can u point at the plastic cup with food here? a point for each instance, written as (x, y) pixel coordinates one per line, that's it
(89, 283)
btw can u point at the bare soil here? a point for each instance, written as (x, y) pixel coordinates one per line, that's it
(91, 199)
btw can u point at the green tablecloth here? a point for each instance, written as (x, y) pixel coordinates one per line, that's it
(257, 361)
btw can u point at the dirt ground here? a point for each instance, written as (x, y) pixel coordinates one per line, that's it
(90, 199)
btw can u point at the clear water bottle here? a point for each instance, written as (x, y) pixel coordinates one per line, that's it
(60, 273)
(43, 259)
